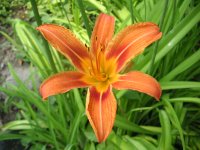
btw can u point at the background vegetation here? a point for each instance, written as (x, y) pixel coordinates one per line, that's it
(141, 123)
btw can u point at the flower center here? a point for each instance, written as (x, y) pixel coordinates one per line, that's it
(101, 72)
(97, 68)
(101, 77)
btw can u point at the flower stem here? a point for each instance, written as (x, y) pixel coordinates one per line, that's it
(131, 11)
(157, 43)
(85, 19)
(39, 22)
(145, 10)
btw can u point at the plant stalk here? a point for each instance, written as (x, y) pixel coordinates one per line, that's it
(131, 11)
(85, 19)
(39, 22)
(157, 43)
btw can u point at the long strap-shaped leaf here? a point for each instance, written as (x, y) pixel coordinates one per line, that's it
(178, 33)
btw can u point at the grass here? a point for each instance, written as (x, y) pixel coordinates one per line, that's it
(141, 122)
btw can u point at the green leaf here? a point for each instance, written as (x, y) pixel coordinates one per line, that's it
(121, 143)
(174, 119)
(185, 99)
(10, 136)
(187, 63)
(123, 123)
(140, 143)
(165, 139)
(169, 41)
(16, 125)
(168, 85)
(73, 135)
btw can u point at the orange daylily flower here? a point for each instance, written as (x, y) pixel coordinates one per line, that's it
(98, 68)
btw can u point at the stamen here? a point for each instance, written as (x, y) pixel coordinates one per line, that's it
(95, 60)
(88, 49)
(97, 63)
(99, 56)
(92, 66)
(90, 71)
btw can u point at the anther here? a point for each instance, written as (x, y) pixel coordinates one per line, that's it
(101, 47)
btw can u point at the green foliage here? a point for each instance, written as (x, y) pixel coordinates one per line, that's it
(141, 123)
(7, 8)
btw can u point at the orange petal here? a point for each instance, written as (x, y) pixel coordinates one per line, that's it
(65, 42)
(101, 111)
(102, 33)
(139, 81)
(131, 41)
(61, 83)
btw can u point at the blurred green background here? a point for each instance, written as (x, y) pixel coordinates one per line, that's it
(26, 122)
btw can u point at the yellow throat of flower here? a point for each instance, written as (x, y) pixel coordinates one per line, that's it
(101, 72)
